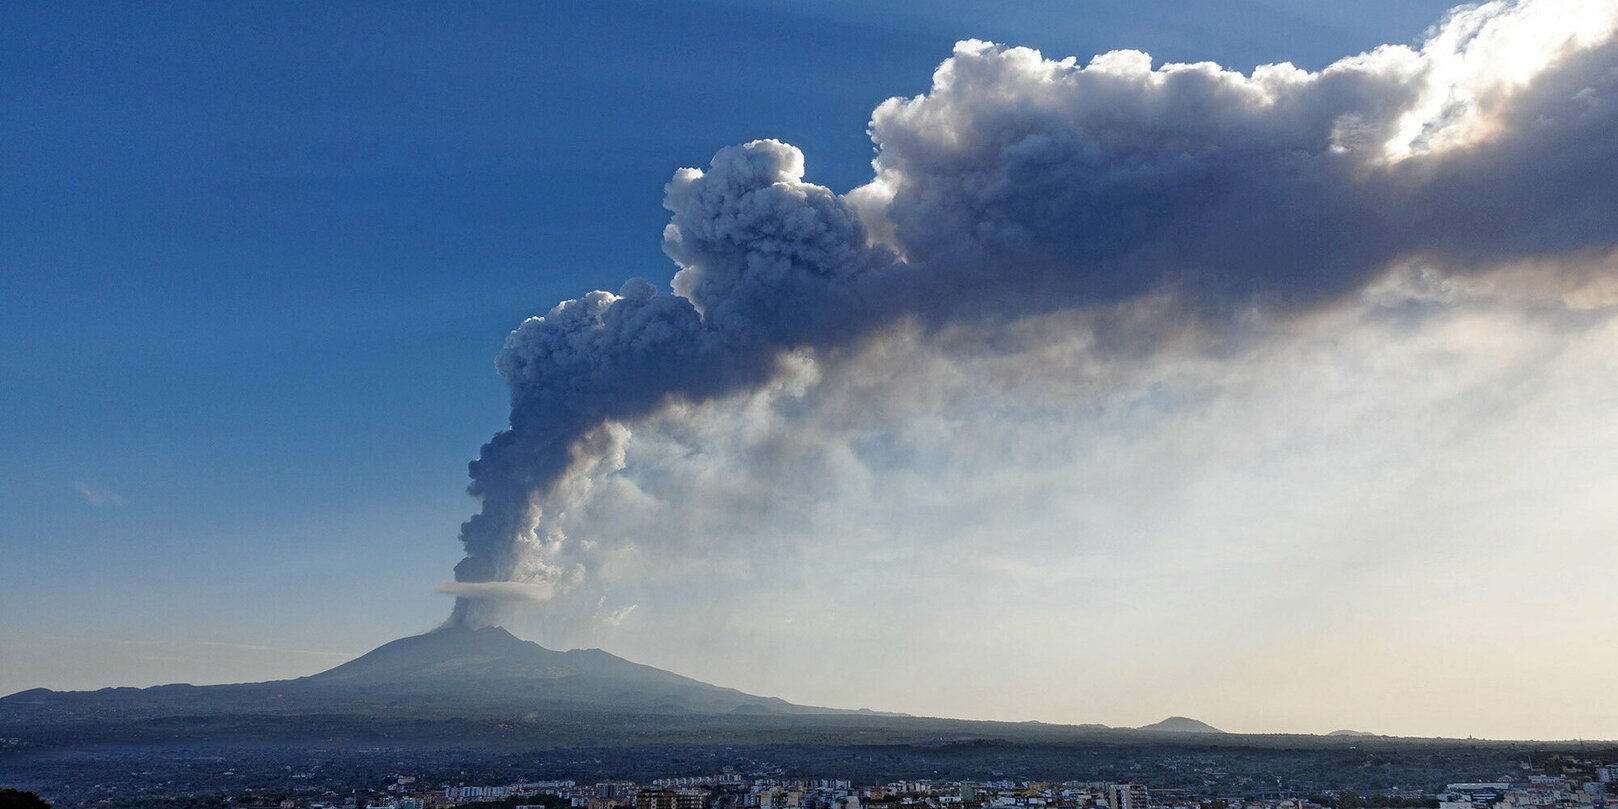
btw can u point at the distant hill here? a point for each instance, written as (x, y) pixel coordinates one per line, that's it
(1180, 724)
(1351, 733)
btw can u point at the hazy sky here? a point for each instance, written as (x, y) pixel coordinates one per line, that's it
(259, 260)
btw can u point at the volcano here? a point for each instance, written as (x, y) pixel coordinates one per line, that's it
(455, 672)
(494, 667)
(462, 689)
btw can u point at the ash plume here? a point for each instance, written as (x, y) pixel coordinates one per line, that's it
(1018, 186)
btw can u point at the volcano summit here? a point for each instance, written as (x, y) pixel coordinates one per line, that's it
(454, 672)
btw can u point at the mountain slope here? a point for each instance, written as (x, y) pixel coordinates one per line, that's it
(449, 672)
(454, 655)
(492, 668)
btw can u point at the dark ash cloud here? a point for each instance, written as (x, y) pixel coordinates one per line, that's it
(1018, 186)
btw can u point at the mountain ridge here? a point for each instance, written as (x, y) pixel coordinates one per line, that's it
(489, 685)
(489, 651)
(448, 672)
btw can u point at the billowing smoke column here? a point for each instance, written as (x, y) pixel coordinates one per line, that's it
(1019, 185)
(770, 263)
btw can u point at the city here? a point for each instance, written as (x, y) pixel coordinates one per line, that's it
(364, 779)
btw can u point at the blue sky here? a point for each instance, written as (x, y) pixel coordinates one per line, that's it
(258, 259)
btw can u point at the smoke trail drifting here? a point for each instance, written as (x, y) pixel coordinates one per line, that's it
(1019, 185)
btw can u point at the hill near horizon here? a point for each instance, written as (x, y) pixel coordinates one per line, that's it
(1180, 724)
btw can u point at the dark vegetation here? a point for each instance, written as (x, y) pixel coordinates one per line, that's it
(19, 799)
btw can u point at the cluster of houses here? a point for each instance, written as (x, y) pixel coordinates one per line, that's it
(734, 791)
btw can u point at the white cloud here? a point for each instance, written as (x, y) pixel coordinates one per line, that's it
(1114, 534)
(98, 496)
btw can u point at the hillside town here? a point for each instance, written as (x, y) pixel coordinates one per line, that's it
(1576, 784)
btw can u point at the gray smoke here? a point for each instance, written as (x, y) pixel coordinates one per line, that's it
(1018, 186)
